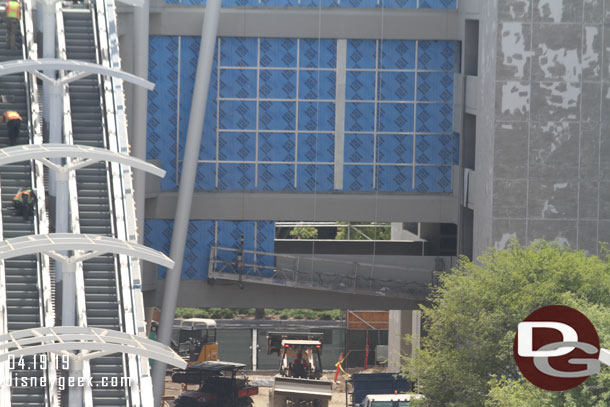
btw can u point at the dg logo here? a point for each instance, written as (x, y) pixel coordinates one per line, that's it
(557, 348)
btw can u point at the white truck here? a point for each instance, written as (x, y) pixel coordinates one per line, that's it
(389, 400)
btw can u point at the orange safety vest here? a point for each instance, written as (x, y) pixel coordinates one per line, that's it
(10, 115)
(13, 9)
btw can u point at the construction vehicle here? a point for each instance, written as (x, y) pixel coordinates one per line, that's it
(300, 380)
(389, 400)
(194, 339)
(220, 384)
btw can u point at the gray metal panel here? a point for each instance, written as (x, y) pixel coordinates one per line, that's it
(311, 23)
(280, 206)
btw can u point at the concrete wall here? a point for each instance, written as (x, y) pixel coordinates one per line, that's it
(550, 178)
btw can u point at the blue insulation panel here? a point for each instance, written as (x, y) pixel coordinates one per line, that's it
(203, 234)
(271, 109)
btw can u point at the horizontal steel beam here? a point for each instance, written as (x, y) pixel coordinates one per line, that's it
(292, 206)
(416, 24)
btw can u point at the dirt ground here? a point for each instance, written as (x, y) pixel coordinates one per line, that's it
(262, 399)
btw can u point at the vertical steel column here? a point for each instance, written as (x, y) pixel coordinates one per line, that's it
(51, 113)
(187, 183)
(141, 32)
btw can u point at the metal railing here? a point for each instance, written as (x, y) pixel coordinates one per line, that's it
(124, 204)
(318, 273)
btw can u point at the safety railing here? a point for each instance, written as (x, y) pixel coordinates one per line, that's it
(124, 203)
(81, 304)
(41, 219)
(319, 273)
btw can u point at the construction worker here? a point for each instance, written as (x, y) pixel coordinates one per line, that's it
(24, 201)
(12, 15)
(13, 123)
(300, 366)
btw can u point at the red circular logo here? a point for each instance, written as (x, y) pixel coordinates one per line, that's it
(545, 367)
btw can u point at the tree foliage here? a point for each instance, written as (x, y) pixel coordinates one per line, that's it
(364, 232)
(302, 232)
(466, 358)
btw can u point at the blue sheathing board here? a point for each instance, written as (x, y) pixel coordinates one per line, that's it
(276, 147)
(162, 106)
(318, 84)
(315, 177)
(276, 177)
(394, 178)
(203, 234)
(359, 148)
(270, 118)
(358, 177)
(395, 148)
(265, 242)
(316, 147)
(200, 237)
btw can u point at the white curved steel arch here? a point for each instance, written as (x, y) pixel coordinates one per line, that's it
(102, 342)
(44, 64)
(41, 152)
(95, 244)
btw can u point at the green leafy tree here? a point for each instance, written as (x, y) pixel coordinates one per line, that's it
(363, 231)
(301, 232)
(466, 359)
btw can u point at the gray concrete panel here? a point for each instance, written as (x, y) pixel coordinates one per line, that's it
(554, 150)
(603, 228)
(310, 23)
(593, 11)
(591, 102)
(604, 152)
(604, 200)
(506, 229)
(589, 151)
(514, 50)
(588, 200)
(587, 236)
(515, 10)
(558, 11)
(513, 101)
(562, 231)
(557, 52)
(511, 139)
(509, 198)
(552, 199)
(592, 52)
(555, 101)
(279, 206)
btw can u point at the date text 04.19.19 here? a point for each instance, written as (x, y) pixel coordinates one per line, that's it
(41, 361)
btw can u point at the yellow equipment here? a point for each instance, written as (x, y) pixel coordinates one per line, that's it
(195, 339)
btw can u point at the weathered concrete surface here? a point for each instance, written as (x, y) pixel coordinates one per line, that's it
(552, 113)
